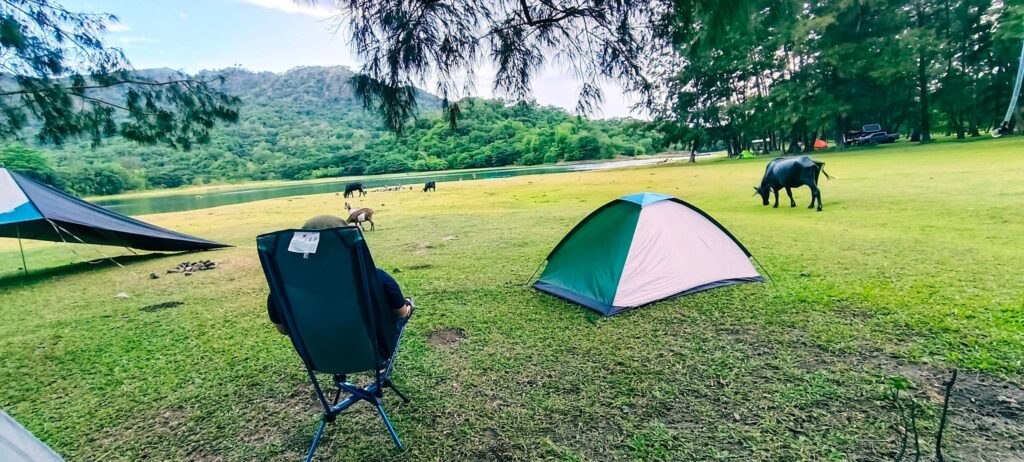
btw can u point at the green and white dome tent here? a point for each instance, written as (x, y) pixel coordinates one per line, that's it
(640, 249)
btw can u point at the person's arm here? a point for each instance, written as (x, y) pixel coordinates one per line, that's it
(393, 293)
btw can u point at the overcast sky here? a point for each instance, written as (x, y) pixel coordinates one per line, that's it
(268, 35)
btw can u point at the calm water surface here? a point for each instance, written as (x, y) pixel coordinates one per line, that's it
(177, 202)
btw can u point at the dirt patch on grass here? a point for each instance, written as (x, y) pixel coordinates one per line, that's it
(162, 306)
(986, 414)
(988, 411)
(421, 247)
(420, 266)
(446, 338)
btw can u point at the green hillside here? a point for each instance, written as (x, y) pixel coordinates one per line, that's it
(307, 123)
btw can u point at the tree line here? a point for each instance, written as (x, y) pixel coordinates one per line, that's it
(783, 72)
(295, 138)
(798, 71)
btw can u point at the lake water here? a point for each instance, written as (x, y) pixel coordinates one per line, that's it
(177, 202)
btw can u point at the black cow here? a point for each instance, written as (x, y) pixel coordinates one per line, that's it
(791, 172)
(430, 186)
(351, 188)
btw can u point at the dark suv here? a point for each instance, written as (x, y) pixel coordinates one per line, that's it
(876, 138)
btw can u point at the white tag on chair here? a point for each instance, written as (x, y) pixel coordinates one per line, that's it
(304, 242)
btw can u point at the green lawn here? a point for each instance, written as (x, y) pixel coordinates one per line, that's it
(913, 267)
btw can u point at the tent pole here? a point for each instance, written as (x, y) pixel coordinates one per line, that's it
(24, 266)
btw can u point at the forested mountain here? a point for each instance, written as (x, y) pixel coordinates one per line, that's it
(306, 123)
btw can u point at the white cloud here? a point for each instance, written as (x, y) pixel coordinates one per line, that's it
(552, 86)
(118, 27)
(131, 41)
(316, 9)
(183, 16)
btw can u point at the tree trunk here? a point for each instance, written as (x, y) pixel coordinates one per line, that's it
(973, 128)
(925, 128)
(809, 145)
(794, 139)
(840, 130)
(924, 122)
(1017, 119)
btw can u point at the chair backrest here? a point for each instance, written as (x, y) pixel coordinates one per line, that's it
(332, 302)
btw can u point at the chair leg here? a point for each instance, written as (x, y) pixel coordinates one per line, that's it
(316, 440)
(405, 399)
(391, 429)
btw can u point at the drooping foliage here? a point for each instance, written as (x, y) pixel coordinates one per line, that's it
(405, 43)
(59, 80)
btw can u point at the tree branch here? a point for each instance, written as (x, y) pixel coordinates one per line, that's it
(113, 105)
(107, 85)
(526, 11)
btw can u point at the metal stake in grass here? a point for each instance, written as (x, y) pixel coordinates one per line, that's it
(942, 420)
(898, 384)
(24, 266)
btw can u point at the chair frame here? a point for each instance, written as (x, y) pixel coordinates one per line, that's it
(372, 393)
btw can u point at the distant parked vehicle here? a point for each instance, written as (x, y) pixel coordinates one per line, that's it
(850, 138)
(876, 138)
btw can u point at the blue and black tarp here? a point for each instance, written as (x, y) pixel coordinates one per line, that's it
(32, 210)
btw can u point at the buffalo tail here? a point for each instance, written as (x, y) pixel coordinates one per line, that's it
(821, 166)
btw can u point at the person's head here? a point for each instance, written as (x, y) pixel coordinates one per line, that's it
(324, 222)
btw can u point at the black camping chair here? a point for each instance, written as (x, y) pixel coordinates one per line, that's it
(334, 307)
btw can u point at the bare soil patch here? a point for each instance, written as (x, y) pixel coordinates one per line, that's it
(162, 306)
(986, 411)
(986, 414)
(445, 338)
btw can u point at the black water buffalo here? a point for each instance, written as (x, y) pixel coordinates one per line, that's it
(430, 186)
(351, 188)
(791, 172)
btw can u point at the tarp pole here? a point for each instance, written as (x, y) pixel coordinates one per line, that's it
(1016, 88)
(24, 266)
(1013, 98)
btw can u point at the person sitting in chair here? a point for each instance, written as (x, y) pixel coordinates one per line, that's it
(401, 307)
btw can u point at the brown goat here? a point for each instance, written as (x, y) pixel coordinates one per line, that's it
(360, 216)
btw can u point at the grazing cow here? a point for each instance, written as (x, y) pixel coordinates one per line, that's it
(430, 186)
(360, 216)
(791, 172)
(351, 188)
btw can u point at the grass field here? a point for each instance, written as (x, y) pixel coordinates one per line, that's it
(913, 268)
